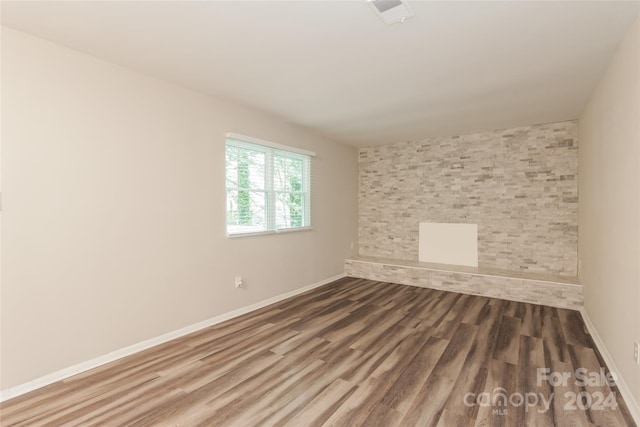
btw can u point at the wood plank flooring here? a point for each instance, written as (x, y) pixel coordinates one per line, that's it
(351, 353)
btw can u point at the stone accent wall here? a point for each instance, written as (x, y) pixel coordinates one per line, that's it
(519, 185)
(555, 294)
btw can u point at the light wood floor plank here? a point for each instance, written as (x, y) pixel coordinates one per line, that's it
(351, 353)
(405, 389)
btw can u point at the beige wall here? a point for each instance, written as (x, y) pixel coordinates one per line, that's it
(609, 207)
(113, 200)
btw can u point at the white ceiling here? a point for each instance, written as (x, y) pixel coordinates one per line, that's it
(454, 68)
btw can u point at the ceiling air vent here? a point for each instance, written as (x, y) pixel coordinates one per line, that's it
(391, 11)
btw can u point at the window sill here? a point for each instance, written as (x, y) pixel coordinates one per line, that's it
(268, 232)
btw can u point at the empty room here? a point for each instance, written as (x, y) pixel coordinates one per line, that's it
(320, 213)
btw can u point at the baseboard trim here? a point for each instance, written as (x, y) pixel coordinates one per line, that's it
(632, 404)
(62, 374)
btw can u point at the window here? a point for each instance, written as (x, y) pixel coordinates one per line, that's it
(268, 186)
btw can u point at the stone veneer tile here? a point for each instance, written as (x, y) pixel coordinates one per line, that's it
(519, 185)
(533, 291)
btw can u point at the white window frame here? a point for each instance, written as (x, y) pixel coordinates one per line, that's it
(271, 149)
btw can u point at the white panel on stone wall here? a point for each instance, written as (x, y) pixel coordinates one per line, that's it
(445, 243)
(519, 185)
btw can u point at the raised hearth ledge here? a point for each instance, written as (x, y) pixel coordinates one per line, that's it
(555, 291)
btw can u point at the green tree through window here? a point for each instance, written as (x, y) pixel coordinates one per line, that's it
(244, 202)
(267, 188)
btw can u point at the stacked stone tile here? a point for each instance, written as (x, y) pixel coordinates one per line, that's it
(524, 287)
(519, 185)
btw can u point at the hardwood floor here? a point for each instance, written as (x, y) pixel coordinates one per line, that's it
(351, 353)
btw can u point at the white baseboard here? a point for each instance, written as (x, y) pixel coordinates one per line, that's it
(123, 352)
(629, 399)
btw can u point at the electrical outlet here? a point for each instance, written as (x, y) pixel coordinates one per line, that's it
(636, 352)
(239, 282)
